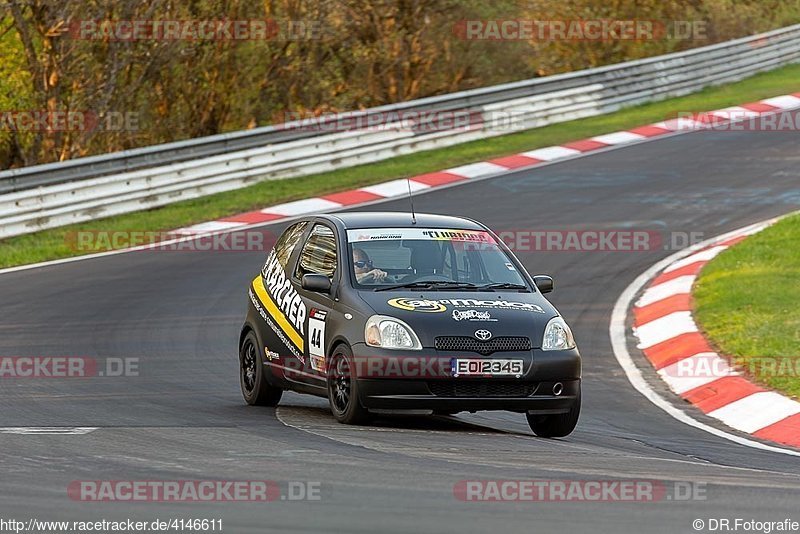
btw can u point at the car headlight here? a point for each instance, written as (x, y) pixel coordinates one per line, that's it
(390, 333)
(557, 335)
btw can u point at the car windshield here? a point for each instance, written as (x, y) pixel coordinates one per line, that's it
(431, 258)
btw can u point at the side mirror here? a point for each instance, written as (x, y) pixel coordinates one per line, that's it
(316, 282)
(543, 283)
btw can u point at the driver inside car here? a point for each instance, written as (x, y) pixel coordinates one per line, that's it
(365, 272)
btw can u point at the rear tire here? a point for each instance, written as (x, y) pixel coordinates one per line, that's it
(343, 388)
(557, 425)
(256, 389)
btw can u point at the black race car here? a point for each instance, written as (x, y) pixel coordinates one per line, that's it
(385, 313)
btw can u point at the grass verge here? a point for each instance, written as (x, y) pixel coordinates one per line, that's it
(746, 302)
(53, 244)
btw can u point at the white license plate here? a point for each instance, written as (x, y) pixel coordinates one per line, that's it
(481, 367)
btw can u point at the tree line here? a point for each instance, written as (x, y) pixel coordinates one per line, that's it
(83, 77)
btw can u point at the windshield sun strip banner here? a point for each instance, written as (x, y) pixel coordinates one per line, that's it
(276, 313)
(434, 234)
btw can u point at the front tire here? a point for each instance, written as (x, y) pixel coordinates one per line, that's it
(256, 389)
(557, 425)
(343, 388)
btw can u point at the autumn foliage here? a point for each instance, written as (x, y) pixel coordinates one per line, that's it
(318, 56)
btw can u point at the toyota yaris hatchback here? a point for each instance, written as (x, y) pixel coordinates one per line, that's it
(383, 313)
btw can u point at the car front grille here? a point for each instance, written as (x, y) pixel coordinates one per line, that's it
(481, 388)
(470, 344)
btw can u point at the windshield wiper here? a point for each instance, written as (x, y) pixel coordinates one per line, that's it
(431, 284)
(503, 285)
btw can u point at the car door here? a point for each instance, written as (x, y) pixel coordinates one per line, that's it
(319, 255)
(282, 309)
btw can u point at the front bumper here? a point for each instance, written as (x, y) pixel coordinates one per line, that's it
(417, 395)
(413, 389)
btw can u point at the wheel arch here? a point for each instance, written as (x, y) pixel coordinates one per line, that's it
(335, 342)
(246, 329)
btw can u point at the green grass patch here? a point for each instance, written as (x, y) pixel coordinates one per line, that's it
(746, 301)
(53, 244)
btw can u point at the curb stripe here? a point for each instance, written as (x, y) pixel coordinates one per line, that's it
(394, 188)
(348, 198)
(620, 338)
(618, 138)
(551, 153)
(299, 207)
(680, 125)
(514, 162)
(685, 361)
(757, 411)
(721, 392)
(651, 312)
(759, 107)
(252, 217)
(786, 431)
(649, 131)
(499, 165)
(704, 256)
(695, 372)
(783, 102)
(677, 348)
(665, 328)
(733, 111)
(586, 145)
(211, 226)
(476, 170)
(682, 284)
(693, 269)
(732, 241)
(438, 178)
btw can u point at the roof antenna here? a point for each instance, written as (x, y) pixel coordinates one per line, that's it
(411, 200)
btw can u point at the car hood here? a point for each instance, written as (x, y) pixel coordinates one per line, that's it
(462, 313)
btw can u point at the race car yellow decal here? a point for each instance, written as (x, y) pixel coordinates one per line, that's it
(276, 313)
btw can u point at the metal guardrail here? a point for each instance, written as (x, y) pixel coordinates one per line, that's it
(51, 195)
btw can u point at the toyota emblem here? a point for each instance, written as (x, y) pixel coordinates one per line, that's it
(483, 335)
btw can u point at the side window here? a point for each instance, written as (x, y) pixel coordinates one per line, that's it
(287, 241)
(319, 253)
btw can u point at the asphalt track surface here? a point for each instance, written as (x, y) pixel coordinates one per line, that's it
(183, 417)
